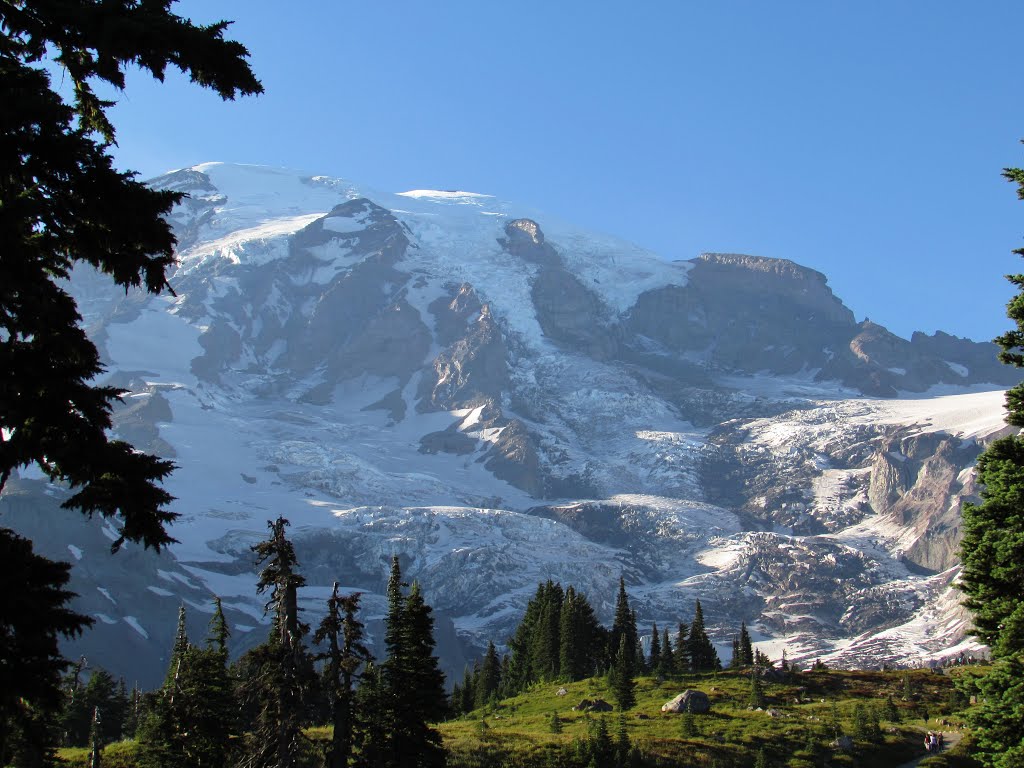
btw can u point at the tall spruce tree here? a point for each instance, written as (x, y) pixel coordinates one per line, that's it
(62, 203)
(623, 624)
(581, 637)
(623, 675)
(372, 736)
(682, 649)
(191, 720)
(488, 681)
(745, 647)
(412, 679)
(654, 664)
(344, 656)
(536, 644)
(668, 658)
(702, 654)
(34, 615)
(278, 674)
(992, 551)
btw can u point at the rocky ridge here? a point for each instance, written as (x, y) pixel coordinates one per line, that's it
(502, 400)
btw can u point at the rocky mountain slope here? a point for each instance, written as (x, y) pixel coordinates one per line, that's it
(501, 398)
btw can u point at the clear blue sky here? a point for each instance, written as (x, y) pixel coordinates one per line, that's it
(863, 139)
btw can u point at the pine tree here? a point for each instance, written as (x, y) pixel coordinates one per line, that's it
(413, 682)
(623, 682)
(488, 681)
(623, 624)
(668, 659)
(62, 203)
(276, 676)
(192, 718)
(991, 553)
(746, 649)
(522, 644)
(702, 654)
(682, 649)
(344, 656)
(34, 615)
(756, 689)
(581, 637)
(555, 723)
(545, 650)
(101, 693)
(600, 747)
(372, 737)
(892, 712)
(465, 701)
(654, 664)
(622, 743)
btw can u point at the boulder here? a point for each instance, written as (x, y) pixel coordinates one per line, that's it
(561, 692)
(593, 705)
(689, 700)
(845, 743)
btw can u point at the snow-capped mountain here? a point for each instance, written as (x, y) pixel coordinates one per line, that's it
(501, 399)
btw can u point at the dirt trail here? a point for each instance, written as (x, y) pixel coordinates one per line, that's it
(951, 739)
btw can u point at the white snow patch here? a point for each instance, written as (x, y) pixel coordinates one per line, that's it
(132, 622)
(75, 551)
(106, 594)
(160, 591)
(104, 618)
(958, 369)
(977, 414)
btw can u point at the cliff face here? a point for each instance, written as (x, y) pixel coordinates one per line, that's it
(501, 401)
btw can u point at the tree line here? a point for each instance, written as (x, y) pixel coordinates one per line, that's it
(252, 713)
(559, 639)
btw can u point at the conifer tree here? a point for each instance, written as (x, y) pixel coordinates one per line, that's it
(62, 203)
(668, 659)
(545, 651)
(623, 624)
(756, 689)
(344, 656)
(746, 649)
(279, 673)
(372, 714)
(702, 654)
(682, 649)
(464, 699)
(623, 682)
(655, 661)
(34, 615)
(488, 681)
(892, 712)
(412, 679)
(192, 718)
(734, 660)
(992, 550)
(622, 743)
(555, 723)
(581, 637)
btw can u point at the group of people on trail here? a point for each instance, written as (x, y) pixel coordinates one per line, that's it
(933, 741)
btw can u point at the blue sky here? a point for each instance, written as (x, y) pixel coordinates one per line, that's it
(862, 139)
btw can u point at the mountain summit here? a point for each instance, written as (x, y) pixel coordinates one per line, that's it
(501, 398)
